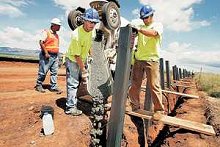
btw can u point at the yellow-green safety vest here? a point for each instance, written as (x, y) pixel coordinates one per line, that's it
(148, 47)
(81, 42)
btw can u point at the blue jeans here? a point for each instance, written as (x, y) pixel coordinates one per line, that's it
(44, 66)
(72, 82)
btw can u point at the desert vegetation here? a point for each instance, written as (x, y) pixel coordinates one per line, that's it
(209, 82)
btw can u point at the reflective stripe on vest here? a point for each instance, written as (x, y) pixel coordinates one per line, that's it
(52, 42)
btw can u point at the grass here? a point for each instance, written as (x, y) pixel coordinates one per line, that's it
(209, 83)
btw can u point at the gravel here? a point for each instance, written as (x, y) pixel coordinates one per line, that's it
(100, 82)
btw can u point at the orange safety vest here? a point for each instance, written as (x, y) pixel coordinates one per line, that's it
(52, 42)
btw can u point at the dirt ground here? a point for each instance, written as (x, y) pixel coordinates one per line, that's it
(21, 125)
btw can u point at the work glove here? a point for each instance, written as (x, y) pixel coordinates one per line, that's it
(90, 60)
(85, 76)
(132, 39)
(135, 28)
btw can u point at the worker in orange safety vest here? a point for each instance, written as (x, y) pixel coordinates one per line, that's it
(49, 44)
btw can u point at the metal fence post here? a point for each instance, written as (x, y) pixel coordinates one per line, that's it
(162, 74)
(184, 73)
(177, 74)
(174, 72)
(168, 74)
(148, 105)
(120, 88)
(180, 73)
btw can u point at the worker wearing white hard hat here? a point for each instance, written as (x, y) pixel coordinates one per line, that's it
(56, 21)
(49, 44)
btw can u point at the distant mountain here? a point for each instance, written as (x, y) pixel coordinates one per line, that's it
(19, 52)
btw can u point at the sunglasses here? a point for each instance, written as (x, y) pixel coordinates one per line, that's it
(92, 22)
(148, 16)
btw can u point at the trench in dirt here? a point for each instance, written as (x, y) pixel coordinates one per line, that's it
(165, 132)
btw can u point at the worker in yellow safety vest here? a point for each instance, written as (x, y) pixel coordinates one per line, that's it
(78, 51)
(49, 44)
(147, 60)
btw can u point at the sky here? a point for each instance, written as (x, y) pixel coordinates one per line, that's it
(191, 37)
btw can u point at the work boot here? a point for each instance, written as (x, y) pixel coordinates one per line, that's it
(134, 104)
(160, 112)
(73, 111)
(58, 91)
(160, 109)
(40, 89)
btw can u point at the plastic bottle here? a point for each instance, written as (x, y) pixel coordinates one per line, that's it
(48, 125)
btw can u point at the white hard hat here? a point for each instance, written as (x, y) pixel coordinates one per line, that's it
(56, 21)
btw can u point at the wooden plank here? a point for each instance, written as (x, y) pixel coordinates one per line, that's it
(186, 124)
(145, 115)
(176, 93)
(182, 81)
(179, 85)
(180, 94)
(173, 121)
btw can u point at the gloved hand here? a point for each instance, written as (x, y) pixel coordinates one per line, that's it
(135, 28)
(90, 59)
(132, 39)
(85, 81)
(85, 74)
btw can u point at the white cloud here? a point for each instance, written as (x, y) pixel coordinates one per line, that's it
(18, 38)
(16, 3)
(188, 56)
(136, 21)
(10, 11)
(124, 22)
(64, 36)
(175, 51)
(177, 47)
(72, 4)
(11, 8)
(135, 12)
(176, 15)
(205, 23)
